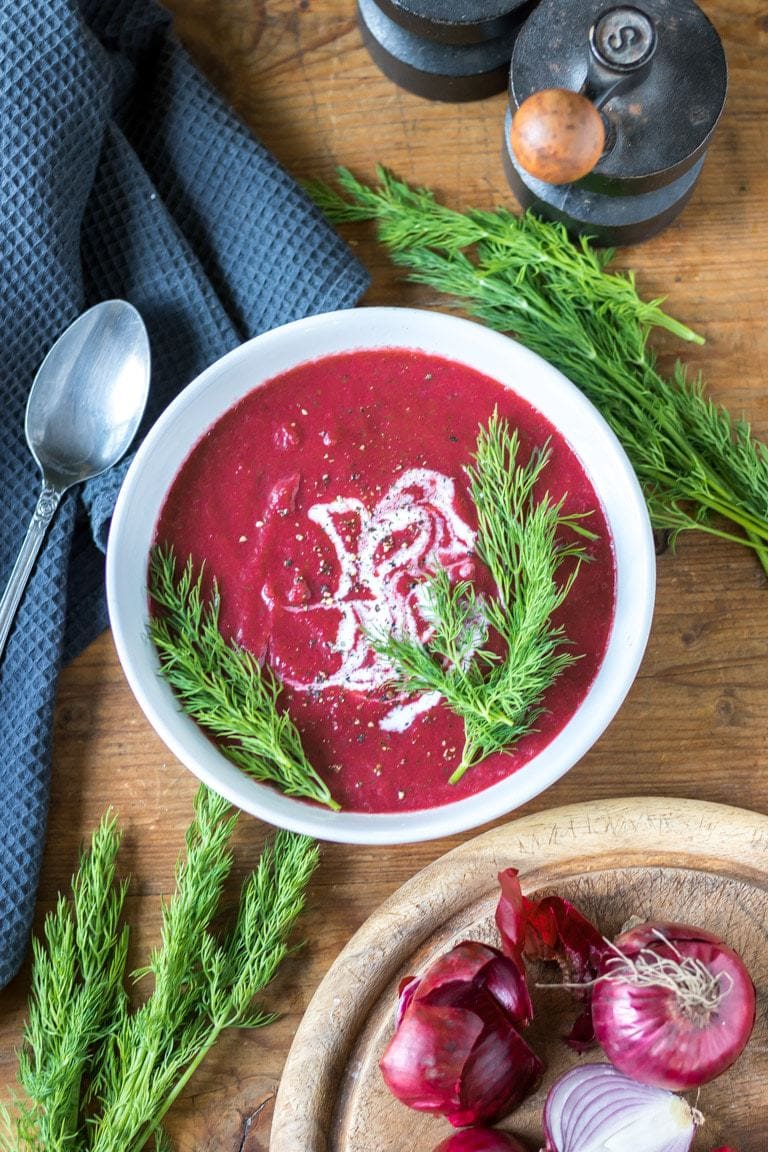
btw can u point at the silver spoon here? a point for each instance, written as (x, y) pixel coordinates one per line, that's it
(83, 410)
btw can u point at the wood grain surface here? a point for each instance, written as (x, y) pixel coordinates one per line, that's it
(679, 861)
(696, 721)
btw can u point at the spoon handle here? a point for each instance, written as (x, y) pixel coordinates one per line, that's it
(47, 504)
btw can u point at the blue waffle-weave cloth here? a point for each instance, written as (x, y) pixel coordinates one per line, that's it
(122, 174)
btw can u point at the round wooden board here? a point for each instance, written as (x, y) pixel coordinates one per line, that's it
(706, 864)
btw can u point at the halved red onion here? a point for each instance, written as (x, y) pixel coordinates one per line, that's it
(674, 1005)
(596, 1108)
(480, 1140)
(456, 1050)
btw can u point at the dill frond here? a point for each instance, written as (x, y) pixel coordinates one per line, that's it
(100, 1075)
(222, 686)
(201, 985)
(519, 274)
(76, 997)
(521, 543)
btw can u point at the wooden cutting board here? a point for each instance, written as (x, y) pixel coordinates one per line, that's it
(705, 864)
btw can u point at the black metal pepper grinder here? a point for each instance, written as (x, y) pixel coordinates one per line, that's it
(443, 49)
(611, 112)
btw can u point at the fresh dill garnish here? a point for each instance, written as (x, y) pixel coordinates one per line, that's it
(77, 997)
(520, 541)
(523, 275)
(101, 1075)
(222, 686)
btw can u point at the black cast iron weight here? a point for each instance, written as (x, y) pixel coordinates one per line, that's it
(611, 111)
(450, 50)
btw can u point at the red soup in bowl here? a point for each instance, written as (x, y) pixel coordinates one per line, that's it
(321, 502)
(319, 474)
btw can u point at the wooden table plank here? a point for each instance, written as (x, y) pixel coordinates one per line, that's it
(696, 721)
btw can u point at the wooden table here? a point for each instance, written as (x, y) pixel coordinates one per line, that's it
(696, 721)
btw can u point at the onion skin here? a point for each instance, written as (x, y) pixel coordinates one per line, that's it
(481, 1140)
(548, 929)
(552, 929)
(472, 963)
(647, 1032)
(456, 1051)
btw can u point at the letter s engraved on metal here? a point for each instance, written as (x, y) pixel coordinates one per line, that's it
(623, 38)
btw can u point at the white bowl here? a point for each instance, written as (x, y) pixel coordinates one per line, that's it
(212, 393)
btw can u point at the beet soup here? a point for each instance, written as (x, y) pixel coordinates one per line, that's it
(320, 502)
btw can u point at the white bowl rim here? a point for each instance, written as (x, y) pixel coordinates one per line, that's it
(368, 328)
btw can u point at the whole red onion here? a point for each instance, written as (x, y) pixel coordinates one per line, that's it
(456, 1050)
(480, 1140)
(674, 1005)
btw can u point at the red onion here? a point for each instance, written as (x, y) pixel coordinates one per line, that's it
(480, 1140)
(674, 1005)
(595, 1107)
(456, 1050)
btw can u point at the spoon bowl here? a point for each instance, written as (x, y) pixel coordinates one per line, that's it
(84, 408)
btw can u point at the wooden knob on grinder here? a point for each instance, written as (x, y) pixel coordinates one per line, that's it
(557, 135)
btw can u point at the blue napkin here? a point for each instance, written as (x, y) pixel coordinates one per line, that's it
(123, 174)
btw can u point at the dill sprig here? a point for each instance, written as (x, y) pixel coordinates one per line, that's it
(699, 467)
(101, 1076)
(520, 540)
(222, 686)
(77, 997)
